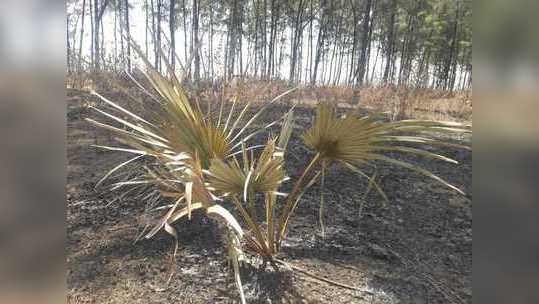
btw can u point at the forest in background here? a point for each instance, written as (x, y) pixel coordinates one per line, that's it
(357, 43)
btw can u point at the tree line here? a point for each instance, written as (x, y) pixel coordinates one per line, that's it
(413, 43)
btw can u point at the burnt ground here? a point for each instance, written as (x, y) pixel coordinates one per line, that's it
(415, 249)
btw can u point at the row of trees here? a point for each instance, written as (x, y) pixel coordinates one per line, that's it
(420, 43)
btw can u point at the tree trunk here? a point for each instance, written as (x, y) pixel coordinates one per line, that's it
(390, 43)
(128, 33)
(371, 79)
(98, 15)
(185, 40)
(295, 41)
(154, 35)
(320, 40)
(310, 42)
(96, 35)
(79, 65)
(210, 61)
(146, 28)
(92, 34)
(369, 42)
(172, 29)
(115, 51)
(364, 45)
(272, 40)
(239, 29)
(404, 53)
(454, 51)
(354, 43)
(265, 40)
(68, 51)
(256, 29)
(120, 22)
(158, 35)
(194, 44)
(102, 42)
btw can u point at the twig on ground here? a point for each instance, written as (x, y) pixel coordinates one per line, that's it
(322, 279)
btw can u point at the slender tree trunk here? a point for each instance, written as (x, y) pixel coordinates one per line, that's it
(194, 44)
(272, 40)
(265, 40)
(81, 39)
(256, 47)
(310, 42)
(68, 51)
(445, 81)
(295, 41)
(469, 82)
(239, 29)
(333, 54)
(128, 33)
(122, 26)
(424, 64)
(390, 43)
(339, 66)
(354, 43)
(454, 51)
(185, 40)
(172, 29)
(226, 51)
(146, 28)
(320, 42)
(97, 55)
(364, 45)
(158, 34)
(404, 53)
(102, 42)
(115, 52)
(281, 53)
(210, 61)
(154, 35)
(333, 66)
(92, 34)
(98, 15)
(369, 41)
(371, 79)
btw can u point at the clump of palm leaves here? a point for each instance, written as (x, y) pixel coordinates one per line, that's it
(205, 160)
(356, 142)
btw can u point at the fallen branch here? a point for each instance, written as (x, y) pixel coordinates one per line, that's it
(320, 278)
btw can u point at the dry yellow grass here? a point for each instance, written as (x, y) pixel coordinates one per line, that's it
(398, 103)
(418, 103)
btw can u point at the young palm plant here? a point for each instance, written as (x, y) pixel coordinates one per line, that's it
(182, 142)
(240, 182)
(356, 142)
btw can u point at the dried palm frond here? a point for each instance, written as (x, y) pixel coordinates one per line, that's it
(261, 175)
(241, 181)
(357, 142)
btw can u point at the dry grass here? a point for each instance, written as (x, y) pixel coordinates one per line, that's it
(398, 103)
(418, 103)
